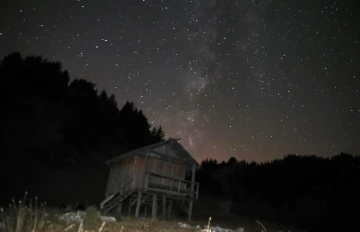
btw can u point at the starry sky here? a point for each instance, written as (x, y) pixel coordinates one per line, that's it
(253, 79)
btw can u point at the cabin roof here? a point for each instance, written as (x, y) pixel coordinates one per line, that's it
(180, 153)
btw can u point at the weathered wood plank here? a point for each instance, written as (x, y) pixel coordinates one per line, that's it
(164, 207)
(119, 208)
(169, 210)
(129, 210)
(154, 207)
(138, 204)
(133, 173)
(145, 211)
(191, 202)
(192, 191)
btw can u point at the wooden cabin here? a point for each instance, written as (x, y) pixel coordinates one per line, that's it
(150, 174)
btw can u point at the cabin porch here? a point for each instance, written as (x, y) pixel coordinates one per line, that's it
(155, 190)
(156, 171)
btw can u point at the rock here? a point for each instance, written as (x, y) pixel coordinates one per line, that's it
(66, 208)
(76, 217)
(205, 228)
(108, 219)
(240, 229)
(46, 215)
(184, 225)
(216, 229)
(71, 217)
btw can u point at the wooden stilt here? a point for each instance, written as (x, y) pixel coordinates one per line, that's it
(164, 207)
(130, 204)
(190, 210)
(154, 207)
(169, 210)
(119, 208)
(191, 202)
(145, 211)
(138, 204)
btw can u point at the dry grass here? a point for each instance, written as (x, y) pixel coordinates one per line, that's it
(23, 216)
(205, 209)
(29, 216)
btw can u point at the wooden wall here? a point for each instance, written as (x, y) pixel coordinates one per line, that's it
(139, 171)
(121, 174)
(165, 168)
(131, 170)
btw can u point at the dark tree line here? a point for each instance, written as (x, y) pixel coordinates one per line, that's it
(314, 193)
(40, 104)
(48, 121)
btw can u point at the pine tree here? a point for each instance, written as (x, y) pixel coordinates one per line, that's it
(160, 135)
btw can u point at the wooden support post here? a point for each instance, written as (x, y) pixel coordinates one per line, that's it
(138, 204)
(164, 173)
(144, 185)
(130, 204)
(190, 210)
(193, 177)
(191, 202)
(145, 211)
(154, 207)
(119, 208)
(169, 210)
(133, 174)
(164, 207)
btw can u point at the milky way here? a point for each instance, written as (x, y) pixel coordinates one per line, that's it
(251, 79)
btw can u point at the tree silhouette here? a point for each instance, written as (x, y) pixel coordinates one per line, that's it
(157, 134)
(31, 112)
(49, 123)
(304, 191)
(82, 125)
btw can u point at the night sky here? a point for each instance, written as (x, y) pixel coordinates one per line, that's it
(253, 79)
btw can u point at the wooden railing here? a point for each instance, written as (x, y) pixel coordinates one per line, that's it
(171, 186)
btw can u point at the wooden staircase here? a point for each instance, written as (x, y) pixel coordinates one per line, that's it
(113, 201)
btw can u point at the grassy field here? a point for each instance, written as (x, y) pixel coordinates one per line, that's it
(30, 216)
(206, 207)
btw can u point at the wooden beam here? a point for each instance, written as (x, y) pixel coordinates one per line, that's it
(164, 207)
(191, 202)
(119, 208)
(154, 207)
(197, 191)
(153, 179)
(170, 178)
(190, 209)
(133, 174)
(165, 157)
(123, 178)
(164, 172)
(133, 202)
(169, 210)
(130, 204)
(145, 199)
(138, 204)
(144, 172)
(192, 181)
(145, 212)
(169, 193)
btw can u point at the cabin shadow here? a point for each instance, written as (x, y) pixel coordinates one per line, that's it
(152, 176)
